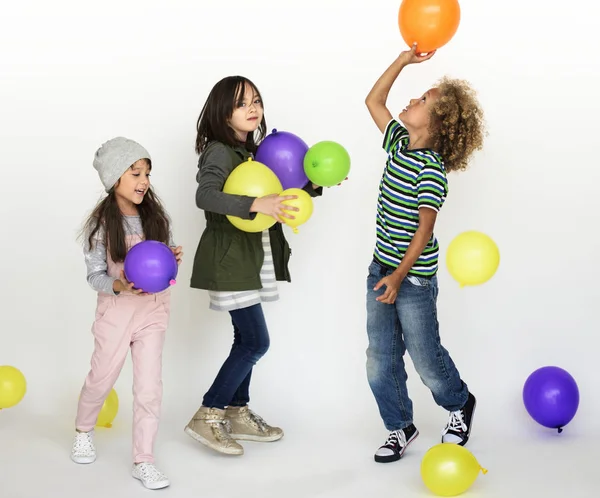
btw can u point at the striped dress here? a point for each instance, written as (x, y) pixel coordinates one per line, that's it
(235, 300)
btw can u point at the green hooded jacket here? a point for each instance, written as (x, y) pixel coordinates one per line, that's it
(229, 259)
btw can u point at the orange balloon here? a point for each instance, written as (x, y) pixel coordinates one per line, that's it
(430, 23)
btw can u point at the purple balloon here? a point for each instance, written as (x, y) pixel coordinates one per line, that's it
(551, 397)
(151, 266)
(283, 153)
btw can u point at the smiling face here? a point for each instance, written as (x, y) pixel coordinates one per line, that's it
(417, 114)
(247, 112)
(133, 186)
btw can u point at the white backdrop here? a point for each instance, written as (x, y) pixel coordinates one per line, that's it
(73, 75)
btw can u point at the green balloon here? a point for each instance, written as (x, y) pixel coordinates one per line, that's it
(327, 163)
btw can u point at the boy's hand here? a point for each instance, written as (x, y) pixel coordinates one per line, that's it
(177, 251)
(412, 57)
(392, 283)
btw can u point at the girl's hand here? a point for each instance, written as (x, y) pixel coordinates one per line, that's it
(412, 57)
(178, 254)
(124, 285)
(272, 205)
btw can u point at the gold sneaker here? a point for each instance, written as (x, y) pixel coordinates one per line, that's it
(247, 425)
(209, 427)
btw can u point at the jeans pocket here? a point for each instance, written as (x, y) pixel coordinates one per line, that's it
(418, 281)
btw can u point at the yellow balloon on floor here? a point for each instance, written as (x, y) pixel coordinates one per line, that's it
(472, 258)
(253, 179)
(304, 203)
(109, 410)
(13, 386)
(449, 469)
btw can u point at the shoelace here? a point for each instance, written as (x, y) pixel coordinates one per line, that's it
(83, 441)
(149, 472)
(456, 423)
(221, 428)
(257, 421)
(396, 438)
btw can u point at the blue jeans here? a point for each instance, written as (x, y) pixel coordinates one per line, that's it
(410, 324)
(250, 342)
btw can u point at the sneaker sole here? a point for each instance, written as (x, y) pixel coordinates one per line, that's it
(205, 442)
(83, 460)
(153, 485)
(257, 439)
(395, 458)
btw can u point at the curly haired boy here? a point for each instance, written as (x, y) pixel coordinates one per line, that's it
(439, 132)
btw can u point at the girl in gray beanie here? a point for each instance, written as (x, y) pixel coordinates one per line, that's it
(126, 317)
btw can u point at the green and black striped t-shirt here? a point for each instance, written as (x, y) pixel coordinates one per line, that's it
(412, 179)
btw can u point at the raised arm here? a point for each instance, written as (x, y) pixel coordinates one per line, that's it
(377, 98)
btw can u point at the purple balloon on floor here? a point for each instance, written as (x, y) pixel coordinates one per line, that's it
(151, 266)
(283, 153)
(551, 397)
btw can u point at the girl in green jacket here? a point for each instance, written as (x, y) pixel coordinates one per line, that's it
(239, 269)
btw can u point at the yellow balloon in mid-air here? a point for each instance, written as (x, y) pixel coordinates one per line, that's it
(472, 258)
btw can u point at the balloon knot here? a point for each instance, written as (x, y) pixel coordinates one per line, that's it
(560, 429)
(274, 130)
(108, 426)
(295, 230)
(172, 282)
(484, 471)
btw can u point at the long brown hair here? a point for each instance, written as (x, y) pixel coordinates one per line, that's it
(213, 122)
(107, 215)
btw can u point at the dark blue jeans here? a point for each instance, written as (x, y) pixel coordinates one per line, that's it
(250, 342)
(410, 324)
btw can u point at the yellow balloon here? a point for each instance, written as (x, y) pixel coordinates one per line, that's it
(449, 469)
(13, 386)
(472, 258)
(253, 179)
(304, 203)
(109, 410)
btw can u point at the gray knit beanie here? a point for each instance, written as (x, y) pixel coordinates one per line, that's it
(115, 157)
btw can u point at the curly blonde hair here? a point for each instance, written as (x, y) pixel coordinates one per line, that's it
(457, 126)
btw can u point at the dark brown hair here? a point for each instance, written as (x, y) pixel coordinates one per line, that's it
(107, 215)
(213, 122)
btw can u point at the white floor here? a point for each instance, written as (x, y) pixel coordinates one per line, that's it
(315, 459)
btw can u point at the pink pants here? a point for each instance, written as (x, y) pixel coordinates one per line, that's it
(122, 322)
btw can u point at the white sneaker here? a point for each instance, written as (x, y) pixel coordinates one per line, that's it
(151, 477)
(83, 450)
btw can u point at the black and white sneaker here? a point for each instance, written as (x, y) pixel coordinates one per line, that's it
(396, 444)
(459, 425)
